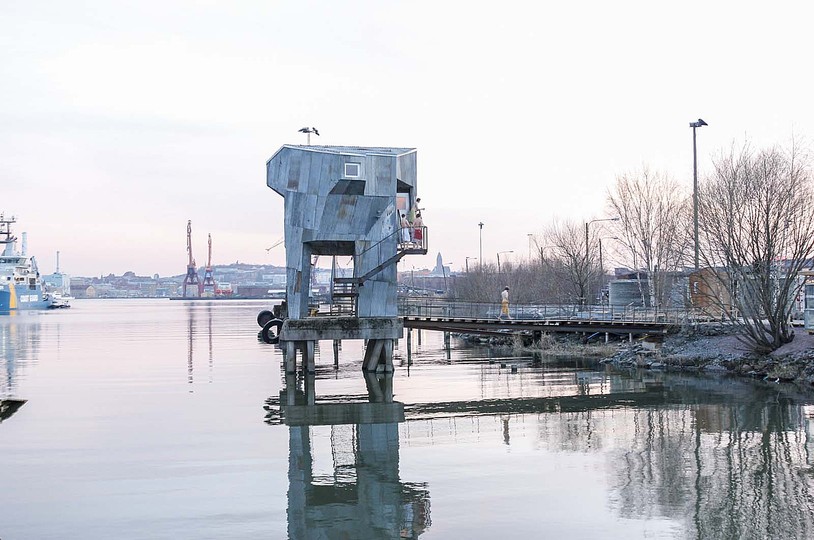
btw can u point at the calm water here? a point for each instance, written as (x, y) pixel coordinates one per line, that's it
(157, 419)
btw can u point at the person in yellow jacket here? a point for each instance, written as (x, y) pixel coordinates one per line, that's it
(504, 304)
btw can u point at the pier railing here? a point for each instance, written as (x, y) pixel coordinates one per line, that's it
(433, 307)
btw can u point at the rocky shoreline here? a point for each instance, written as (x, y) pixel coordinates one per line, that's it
(715, 348)
(708, 348)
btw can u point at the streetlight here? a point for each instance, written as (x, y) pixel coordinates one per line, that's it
(694, 125)
(480, 254)
(586, 233)
(587, 285)
(498, 258)
(531, 238)
(467, 262)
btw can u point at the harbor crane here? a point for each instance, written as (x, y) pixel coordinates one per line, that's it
(209, 280)
(192, 272)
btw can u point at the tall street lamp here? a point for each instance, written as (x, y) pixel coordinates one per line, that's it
(480, 253)
(467, 262)
(587, 224)
(694, 125)
(531, 238)
(498, 258)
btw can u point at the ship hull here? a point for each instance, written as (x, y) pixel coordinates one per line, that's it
(21, 299)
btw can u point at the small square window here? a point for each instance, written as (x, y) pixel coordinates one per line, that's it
(352, 170)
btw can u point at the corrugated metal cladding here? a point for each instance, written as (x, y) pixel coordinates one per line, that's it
(629, 293)
(330, 206)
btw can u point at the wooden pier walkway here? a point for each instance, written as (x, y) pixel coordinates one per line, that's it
(530, 326)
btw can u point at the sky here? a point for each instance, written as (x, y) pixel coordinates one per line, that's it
(120, 121)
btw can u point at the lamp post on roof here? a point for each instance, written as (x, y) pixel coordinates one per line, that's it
(694, 125)
(308, 131)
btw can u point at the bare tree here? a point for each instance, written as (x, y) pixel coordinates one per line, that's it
(756, 217)
(654, 215)
(575, 259)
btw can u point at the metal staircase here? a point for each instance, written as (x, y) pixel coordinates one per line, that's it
(343, 297)
(345, 290)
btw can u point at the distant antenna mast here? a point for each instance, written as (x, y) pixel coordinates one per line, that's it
(192, 272)
(308, 131)
(209, 280)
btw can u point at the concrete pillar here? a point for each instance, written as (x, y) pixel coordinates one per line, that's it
(290, 389)
(374, 388)
(372, 354)
(290, 356)
(300, 477)
(387, 387)
(379, 387)
(378, 355)
(310, 389)
(386, 361)
(336, 353)
(409, 346)
(309, 360)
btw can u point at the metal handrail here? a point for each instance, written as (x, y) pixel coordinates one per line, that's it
(430, 307)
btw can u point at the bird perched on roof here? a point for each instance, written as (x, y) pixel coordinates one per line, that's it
(308, 131)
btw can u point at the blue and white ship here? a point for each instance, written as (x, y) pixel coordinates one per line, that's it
(20, 283)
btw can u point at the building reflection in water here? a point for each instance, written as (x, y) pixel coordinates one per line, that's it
(720, 458)
(364, 497)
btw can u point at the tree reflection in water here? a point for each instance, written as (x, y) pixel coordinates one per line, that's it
(730, 460)
(723, 458)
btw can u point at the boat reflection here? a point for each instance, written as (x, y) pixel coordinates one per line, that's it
(363, 497)
(19, 347)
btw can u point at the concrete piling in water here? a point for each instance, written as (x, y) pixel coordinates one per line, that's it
(409, 346)
(336, 353)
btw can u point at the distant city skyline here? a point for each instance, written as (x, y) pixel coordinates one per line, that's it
(118, 125)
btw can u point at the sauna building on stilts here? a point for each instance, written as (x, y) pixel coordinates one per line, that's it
(345, 201)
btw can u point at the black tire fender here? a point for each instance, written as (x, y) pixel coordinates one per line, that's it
(271, 331)
(264, 316)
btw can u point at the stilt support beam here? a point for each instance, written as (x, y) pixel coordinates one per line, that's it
(306, 349)
(378, 355)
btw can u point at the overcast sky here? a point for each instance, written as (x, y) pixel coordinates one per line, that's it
(119, 121)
